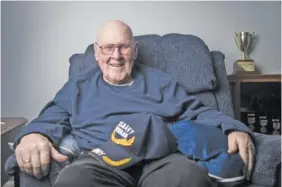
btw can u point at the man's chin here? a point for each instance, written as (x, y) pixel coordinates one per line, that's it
(117, 80)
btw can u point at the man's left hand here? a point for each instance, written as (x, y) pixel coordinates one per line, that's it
(242, 142)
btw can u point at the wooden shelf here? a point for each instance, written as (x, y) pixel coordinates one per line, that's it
(254, 78)
(11, 123)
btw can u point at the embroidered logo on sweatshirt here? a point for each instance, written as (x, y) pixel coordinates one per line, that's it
(123, 130)
(116, 163)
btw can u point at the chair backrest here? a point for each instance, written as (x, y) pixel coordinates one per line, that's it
(188, 59)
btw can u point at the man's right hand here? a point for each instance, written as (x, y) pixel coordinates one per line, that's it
(34, 153)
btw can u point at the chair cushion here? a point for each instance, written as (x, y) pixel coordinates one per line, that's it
(185, 57)
(80, 63)
(149, 51)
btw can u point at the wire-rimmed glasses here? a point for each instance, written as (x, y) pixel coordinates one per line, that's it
(125, 49)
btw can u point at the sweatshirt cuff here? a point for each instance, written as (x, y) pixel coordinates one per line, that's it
(242, 128)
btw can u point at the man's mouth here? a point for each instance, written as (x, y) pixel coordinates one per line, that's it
(117, 65)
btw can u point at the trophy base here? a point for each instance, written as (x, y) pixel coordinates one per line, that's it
(244, 67)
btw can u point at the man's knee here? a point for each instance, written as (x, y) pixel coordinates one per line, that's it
(73, 176)
(178, 172)
(88, 172)
(191, 173)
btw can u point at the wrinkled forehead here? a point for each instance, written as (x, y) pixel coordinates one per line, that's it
(115, 35)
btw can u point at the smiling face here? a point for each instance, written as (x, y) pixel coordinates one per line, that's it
(115, 52)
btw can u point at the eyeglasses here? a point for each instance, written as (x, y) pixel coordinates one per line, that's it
(110, 48)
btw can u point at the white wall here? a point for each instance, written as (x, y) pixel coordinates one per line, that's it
(39, 37)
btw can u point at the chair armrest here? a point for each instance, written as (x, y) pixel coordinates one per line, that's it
(268, 159)
(17, 178)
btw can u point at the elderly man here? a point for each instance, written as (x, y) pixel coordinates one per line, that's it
(119, 115)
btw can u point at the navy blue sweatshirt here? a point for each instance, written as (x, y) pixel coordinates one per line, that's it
(89, 108)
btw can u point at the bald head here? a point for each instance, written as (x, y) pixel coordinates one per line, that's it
(115, 52)
(113, 31)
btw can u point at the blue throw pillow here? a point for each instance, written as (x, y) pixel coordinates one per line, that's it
(207, 145)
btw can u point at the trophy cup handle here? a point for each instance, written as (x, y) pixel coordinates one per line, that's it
(255, 39)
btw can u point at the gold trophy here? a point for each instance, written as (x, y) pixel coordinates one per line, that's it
(245, 42)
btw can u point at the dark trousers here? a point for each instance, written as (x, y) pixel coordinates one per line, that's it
(175, 170)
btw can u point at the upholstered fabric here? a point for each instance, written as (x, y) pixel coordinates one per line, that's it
(149, 51)
(222, 90)
(76, 67)
(267, 160)
(192, 66)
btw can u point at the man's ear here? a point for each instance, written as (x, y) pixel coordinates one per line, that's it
(96, 52)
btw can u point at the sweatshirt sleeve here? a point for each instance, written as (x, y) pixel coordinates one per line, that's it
(53, 120)
(191, 108)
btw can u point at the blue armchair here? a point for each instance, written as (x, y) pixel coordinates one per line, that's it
(202, 73)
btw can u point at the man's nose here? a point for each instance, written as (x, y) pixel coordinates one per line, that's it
(116, 54)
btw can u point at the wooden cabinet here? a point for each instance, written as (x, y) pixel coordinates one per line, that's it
(257, 101)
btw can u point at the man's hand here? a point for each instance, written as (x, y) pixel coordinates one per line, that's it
(33, 155)
(242, 142)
